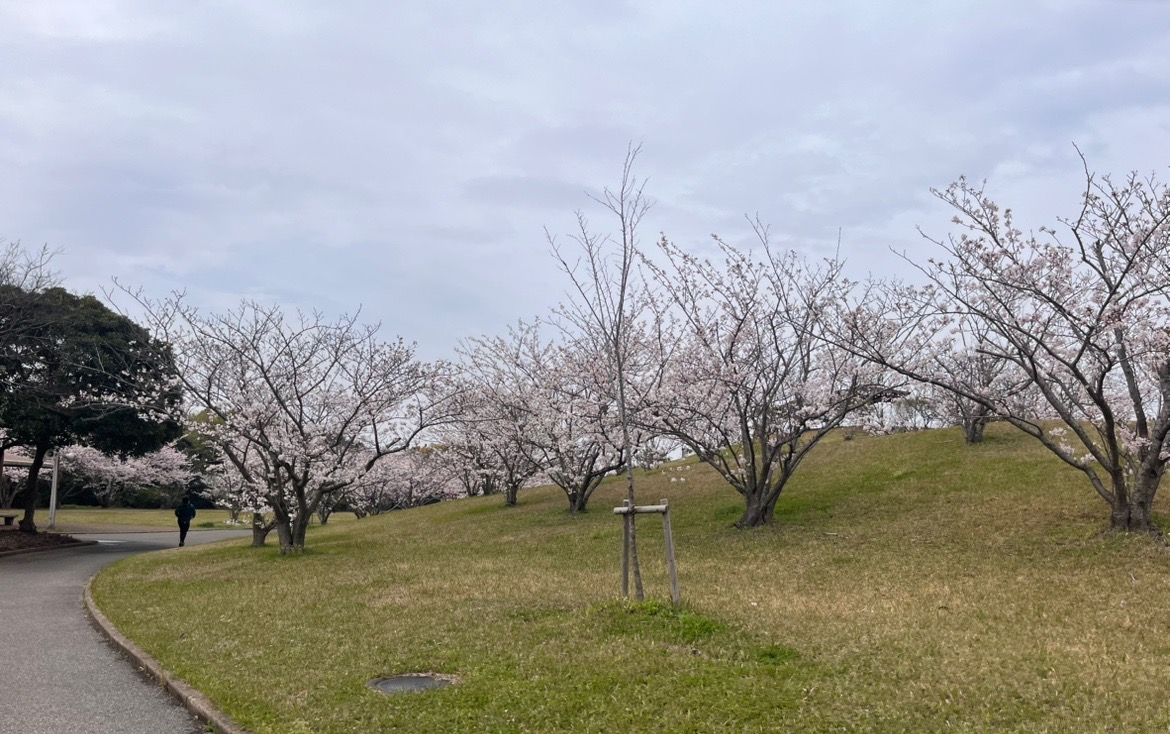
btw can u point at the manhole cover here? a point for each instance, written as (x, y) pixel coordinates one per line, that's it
(411, 682)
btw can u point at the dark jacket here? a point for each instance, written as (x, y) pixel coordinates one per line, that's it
(185, 512)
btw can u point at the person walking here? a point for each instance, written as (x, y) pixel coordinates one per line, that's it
(186, 513)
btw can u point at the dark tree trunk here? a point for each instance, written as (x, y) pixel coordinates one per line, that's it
(27, 523)
(1133, 517)
(973, 429)
(578, 499)
(489, 486)
(759, 510)
(1133, 513)
(290, 524)
(578, 494)
(576, 503)
(260, 530)
(290, 529)
(300, 526)
(510, 493)
(285, 535)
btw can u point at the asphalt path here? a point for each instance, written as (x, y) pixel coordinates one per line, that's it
(57, 672)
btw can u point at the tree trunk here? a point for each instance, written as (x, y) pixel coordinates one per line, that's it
(577, 502)
(285, 534)
(759, 511)
(510, 493)
(632, 536)
(300, 526)
(973, 429)
(27, 523)
(1133, 517)
(1135, 513)
(291, 530)
(291, 522)
(489, 486)
(259, 530)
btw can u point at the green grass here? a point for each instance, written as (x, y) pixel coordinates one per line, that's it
(911, 583)
(124, 516)
(165, 518)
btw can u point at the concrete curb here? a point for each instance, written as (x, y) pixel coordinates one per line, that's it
(192, 700)
(47, 548)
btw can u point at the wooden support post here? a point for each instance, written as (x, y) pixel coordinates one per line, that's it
(628, 512)
(670, 565)
(626, 551)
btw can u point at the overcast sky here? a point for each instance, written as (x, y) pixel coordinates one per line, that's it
(406, 156)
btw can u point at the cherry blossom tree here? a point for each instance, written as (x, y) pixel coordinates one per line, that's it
(608, 313)
(303, 407)
(549, 397)
(964, 362)
(238, 491)
(967, 365)
(1079, 319)
(8, 479)
(407, 479)
(468, 458)
(970, 364)
(483, 449)
(110, 476)
(752, 387)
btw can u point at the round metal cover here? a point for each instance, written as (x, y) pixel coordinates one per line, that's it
(411, 682)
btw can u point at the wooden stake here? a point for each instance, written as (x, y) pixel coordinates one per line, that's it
(674, 595)
(626, 552)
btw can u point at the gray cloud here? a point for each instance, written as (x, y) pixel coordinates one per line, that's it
(407, 156)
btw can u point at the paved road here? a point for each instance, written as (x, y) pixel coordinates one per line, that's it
(58, 673)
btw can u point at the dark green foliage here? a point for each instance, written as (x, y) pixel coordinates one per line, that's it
(77, 372)
(203, 456)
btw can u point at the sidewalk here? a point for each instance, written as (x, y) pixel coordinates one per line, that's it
(59, 674)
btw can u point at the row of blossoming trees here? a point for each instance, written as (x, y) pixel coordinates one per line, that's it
(729, 360)
(747, 358)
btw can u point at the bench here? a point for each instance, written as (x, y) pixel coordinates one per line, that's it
(8, 516)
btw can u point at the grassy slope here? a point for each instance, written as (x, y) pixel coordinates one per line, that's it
(911, 584)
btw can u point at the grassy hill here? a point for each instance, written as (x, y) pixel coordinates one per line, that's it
(911, 583)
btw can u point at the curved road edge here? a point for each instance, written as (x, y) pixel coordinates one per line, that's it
(191, 699)
(47, 548)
